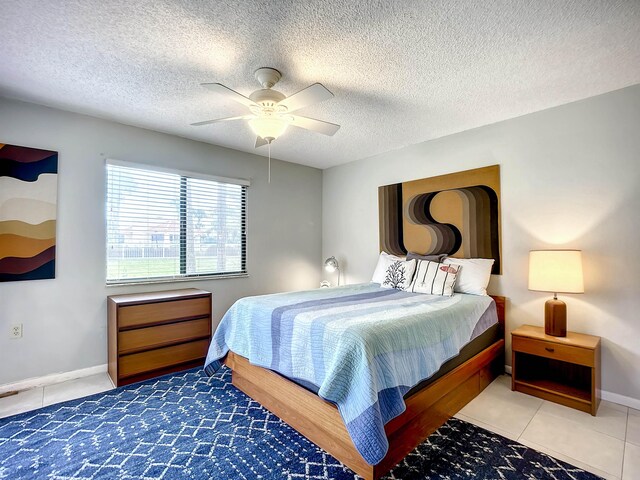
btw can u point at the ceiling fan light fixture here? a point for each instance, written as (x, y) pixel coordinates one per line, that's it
(268, 128)
(271, 111)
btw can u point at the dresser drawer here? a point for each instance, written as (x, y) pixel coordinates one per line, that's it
(130, 341)
(556, 351)
(139, 315)
(162, 357)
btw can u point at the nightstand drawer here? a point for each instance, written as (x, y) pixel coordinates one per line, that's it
(556, 351)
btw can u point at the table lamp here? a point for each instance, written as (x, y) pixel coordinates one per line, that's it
(557, 271)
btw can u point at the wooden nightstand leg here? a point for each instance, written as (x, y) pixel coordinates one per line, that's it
(513, 370)
(595, 383)
(594, 388)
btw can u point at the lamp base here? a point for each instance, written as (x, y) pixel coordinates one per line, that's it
(555, 318)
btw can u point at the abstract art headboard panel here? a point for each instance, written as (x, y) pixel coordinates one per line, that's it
(457, 214)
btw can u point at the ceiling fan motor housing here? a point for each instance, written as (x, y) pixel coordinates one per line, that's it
(267, 100)
(267, 97)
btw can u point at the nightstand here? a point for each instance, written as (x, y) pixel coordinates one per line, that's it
(564, 370)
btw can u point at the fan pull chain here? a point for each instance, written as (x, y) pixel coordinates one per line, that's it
(269, 145)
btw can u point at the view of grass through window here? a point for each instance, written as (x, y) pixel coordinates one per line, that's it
(168, 225)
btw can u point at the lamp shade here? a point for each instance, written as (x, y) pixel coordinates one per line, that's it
(558, 271)
(331, 264)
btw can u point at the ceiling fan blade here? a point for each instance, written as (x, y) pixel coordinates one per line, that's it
(319, 126)
(230, 94)
(260, 142)
(227, 119)
(315, 93)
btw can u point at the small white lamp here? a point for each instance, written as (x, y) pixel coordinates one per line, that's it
(557, 271)
(331, 265)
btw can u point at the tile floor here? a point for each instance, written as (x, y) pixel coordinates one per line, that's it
(607, 444)
(59, 392)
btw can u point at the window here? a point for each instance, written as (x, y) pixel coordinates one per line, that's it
(164, 225)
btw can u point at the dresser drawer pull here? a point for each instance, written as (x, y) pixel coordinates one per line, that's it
(549, 349)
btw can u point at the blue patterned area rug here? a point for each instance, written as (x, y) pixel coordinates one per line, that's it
(190, 426)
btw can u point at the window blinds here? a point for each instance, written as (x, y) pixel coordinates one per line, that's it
(164, 225)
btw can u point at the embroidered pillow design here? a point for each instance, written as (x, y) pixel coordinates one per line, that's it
(395, 276)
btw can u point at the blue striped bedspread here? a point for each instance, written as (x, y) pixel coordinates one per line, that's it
(363, 346)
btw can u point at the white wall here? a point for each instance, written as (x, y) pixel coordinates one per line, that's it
(570, 178)
(65, 319)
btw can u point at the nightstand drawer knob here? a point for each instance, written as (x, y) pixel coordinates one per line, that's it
(549, 349)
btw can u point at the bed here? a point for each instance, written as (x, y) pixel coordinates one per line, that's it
(366, 373)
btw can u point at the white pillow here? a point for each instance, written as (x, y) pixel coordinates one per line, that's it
(474, 275)
(384, 260)
(435, 278)
(394, 272)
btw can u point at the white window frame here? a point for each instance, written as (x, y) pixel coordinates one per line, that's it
(180, 277)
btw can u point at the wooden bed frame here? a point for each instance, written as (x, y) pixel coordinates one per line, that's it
(319, 420)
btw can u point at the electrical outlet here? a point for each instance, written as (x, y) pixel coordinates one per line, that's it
(16, 331)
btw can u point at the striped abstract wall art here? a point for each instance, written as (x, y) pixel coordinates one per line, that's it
(457, 214)
(28, 198)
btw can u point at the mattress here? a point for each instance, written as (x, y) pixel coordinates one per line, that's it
(475, 346)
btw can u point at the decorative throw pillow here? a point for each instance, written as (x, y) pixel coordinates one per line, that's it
(394, 272)
(432, 258)
(435, 278)
(384, 260)
(474, 275)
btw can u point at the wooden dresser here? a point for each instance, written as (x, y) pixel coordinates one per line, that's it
(151, 334)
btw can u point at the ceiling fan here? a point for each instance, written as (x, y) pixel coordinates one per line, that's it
(271, 112)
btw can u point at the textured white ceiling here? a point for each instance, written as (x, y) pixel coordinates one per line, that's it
(402, 71)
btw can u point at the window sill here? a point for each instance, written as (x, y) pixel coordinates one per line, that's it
(123, 283)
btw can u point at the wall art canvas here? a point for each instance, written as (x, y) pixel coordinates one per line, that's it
(457, 214)
(28, 198)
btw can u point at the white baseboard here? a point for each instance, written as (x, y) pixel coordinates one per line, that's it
(608, 396)
(620, 399)
(51, 379)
